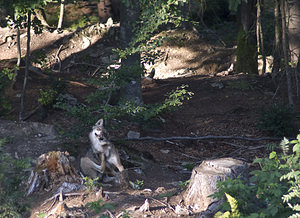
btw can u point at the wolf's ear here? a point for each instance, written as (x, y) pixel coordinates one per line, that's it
(99, 122)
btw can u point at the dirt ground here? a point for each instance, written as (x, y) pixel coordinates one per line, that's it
(227, 105)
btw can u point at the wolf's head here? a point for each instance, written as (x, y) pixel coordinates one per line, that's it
(99, 130)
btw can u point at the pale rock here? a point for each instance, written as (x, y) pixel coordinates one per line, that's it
(133, 135)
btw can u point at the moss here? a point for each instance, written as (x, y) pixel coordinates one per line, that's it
(246, 54)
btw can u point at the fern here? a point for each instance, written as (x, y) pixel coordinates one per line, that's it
(274, 189)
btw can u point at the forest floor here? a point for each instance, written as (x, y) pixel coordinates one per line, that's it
(225, 105)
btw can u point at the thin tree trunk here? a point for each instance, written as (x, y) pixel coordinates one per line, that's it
(26, 66)
(285, 51)
(276, 55)
(61, 14)
(259, 36)
(19, 47)
(12, 86)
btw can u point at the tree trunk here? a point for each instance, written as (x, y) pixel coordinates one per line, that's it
(131, 65)
(276, 55)
(26, 67)
(61, 15)
(285, 48)
(40, 14)
(104, 10)
(203, 182)
(246, 50)
(12, 85)
(259, 37)
(294, 37)
(294, 30)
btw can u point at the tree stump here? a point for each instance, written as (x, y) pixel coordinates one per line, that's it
(51, 168)
(204, 179)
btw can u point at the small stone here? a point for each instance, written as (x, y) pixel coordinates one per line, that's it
(109, 22)
(145, 207)
(86, 42)
(181, 210)
(217, 85)
(164, 151)
(133, 135)
(160, 190)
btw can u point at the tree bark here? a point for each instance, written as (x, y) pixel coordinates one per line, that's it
(131, 65)
(26, 67)
(277, 50)
(61, 15)
(285, 48)
(40, 14)
(203, 182)
(259, 36)
(294, 30)
(246, 51)
(12, 85)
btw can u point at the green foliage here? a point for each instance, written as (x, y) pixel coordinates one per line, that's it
(91, 184)
(83, 21)
(6, 75)
(98, 206)
(173, 100)
(88, 115)
(234, 209)
(21, 9)
(166, 194)
(274, 189)
(278, 120)
(233, 4)
(138, 184)
(11, 178)
(125, 214)
(40, 57)
(184, 185)
(292, 176)
(85, 117)
(154, 14)
(47, 97)
(188, 166)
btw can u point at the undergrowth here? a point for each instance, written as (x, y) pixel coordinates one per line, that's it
(98, 107)
(6, 75)
(11, 180)
(98, 206)
(278, 120)
(274, 189)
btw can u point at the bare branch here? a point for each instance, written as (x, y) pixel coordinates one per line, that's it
(209, 137)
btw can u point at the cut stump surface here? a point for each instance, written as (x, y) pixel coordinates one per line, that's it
(203, 182)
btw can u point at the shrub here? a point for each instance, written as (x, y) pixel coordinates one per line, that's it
(274, 190)
(125, 110)
(278, 120)
(11, 178)
(6, 75)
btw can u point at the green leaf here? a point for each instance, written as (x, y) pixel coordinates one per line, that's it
(296, 148)
(273, 155)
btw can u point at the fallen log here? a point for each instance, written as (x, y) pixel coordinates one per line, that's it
(208, 137)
